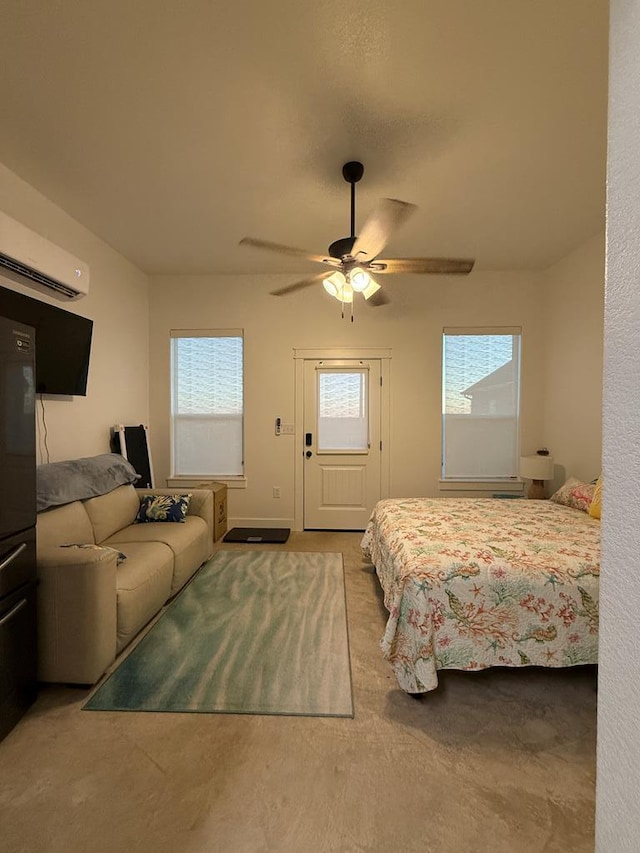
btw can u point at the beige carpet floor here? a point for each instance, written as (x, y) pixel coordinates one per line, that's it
(498, 761)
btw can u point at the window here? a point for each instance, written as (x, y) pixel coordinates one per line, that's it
(480, 403)
(207, 403)
(343, 422)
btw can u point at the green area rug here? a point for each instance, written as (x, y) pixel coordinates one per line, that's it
(255, 632)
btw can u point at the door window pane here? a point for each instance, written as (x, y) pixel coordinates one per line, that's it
(480, 405)
(343, 418)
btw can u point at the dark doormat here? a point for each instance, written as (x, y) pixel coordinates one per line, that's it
(257, 534)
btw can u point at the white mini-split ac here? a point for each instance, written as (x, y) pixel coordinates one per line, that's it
(28, 258)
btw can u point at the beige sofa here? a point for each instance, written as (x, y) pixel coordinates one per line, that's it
(91, 603)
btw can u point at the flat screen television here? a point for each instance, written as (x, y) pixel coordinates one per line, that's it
(63, 342)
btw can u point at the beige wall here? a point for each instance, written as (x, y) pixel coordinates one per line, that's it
(411, 326)
(573, 296)
(118, 303)
(618, 785)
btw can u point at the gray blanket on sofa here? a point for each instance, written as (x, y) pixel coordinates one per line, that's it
(77, 479)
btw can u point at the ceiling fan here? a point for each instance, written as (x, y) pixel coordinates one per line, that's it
(352, 260)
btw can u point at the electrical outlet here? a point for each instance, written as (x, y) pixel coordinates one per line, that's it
(276, 491)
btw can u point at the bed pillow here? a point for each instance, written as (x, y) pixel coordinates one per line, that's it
(163, 508)
(575, 494)
(595, 508)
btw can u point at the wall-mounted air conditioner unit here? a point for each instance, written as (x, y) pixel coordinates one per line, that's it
(28, 258)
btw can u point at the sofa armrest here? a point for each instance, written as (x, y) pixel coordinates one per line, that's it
(76, 613)
(201, 503)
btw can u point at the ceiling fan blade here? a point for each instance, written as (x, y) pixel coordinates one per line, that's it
(374, 234)
(298, 285)
(289, 250)
(436, 266)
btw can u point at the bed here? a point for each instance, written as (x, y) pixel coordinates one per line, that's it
(471, 583)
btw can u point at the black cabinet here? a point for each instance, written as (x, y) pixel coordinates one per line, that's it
(18, 655)
(18, 630)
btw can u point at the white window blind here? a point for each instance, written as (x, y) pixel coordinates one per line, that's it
(343, 421)
(207, 405)
(480, 403)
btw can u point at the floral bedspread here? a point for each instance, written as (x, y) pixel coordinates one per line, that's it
(473, 583)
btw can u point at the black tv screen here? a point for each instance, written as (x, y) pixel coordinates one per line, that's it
(63, 342)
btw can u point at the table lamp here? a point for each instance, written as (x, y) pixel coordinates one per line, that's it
(537, 468)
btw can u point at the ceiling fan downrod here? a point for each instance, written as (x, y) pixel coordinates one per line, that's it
(352, 172)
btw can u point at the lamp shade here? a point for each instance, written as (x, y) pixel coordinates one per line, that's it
(536, 467)
(334, 283)
(359, 279)
(338, 286)
(371, 288)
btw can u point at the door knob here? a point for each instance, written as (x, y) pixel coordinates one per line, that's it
(308, 454)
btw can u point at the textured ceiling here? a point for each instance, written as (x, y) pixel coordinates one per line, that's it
(172, 129)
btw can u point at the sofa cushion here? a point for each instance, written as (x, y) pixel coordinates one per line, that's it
(143, 584)
(64, 525)
(189, 543)
(113, 511)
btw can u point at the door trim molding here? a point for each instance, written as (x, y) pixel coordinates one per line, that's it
(302, 355)
(355, 354)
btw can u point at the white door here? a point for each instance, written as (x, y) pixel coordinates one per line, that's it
(342, 453)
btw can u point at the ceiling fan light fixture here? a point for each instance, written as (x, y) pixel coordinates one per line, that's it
(371, 288)
(359, 279)
(334, 283)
